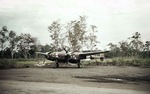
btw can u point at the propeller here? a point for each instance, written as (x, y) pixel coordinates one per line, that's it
(67, 55)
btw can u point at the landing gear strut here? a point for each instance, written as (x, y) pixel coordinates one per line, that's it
(56, 64)
(79, 65)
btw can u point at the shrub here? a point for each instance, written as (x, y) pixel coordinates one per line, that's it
(16, 63)
(5, 63)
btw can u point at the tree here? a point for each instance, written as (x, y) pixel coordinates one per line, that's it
(146, 49)
(3, 38)
(74, 36)
(147, 45)
(136, 43)
(115, 51)
(76, 31)
(13, 40)
(47, 48)
(125, 48)
(92, 38)
(55, 33)
(25, 43)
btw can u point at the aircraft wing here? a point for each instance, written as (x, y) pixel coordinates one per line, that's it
(92, 53)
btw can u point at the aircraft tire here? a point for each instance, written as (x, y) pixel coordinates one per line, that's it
(57, 65)
(78, 65)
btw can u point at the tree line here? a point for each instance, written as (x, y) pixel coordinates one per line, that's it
(77, 34)
(16, 46)
(72, 36)
(132, 47)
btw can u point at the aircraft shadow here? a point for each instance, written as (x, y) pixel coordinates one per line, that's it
(63, 66)
(66, 67)
(116, 79)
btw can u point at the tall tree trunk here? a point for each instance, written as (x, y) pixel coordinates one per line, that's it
(12, 54)
(2, 54)
(25, 54)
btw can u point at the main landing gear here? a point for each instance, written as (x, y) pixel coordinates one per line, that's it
(78, 65)
(57, 64)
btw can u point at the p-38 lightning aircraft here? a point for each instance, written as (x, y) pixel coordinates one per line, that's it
(65, 56)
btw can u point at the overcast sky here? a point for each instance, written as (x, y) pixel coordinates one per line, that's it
(116, 19)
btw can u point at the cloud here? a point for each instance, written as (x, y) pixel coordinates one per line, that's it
(116, 19)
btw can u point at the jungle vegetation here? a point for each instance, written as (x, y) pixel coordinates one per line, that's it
(72, 36)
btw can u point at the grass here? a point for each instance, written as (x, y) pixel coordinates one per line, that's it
(121, 61)
(17, 63)
(138, 62)
(118, 61)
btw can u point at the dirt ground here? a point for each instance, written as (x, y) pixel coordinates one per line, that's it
(71, 80)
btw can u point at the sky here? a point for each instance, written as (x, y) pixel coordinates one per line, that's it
(116, 20)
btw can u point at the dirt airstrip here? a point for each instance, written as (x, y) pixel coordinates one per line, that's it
(71, 80)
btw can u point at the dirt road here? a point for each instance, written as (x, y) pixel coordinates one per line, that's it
(87, 80)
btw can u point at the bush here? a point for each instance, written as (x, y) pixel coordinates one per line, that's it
(137, 62)
(4, 63)
(16, 63)
(25, 63)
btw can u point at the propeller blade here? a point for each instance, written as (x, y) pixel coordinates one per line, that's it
(65, 50)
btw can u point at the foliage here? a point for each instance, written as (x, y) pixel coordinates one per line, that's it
(25, 43)
(17, 63)
(120, 61)
(147, 46)
(13, 39)
(92, 38)
(114, 50)
(76, 31)
(55, 30)
(18, 46)
(74, 36)
(133, 47)
(139, 62)
(3, 38)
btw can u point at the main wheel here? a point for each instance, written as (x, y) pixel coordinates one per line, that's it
(56, 64)
(79, 65)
